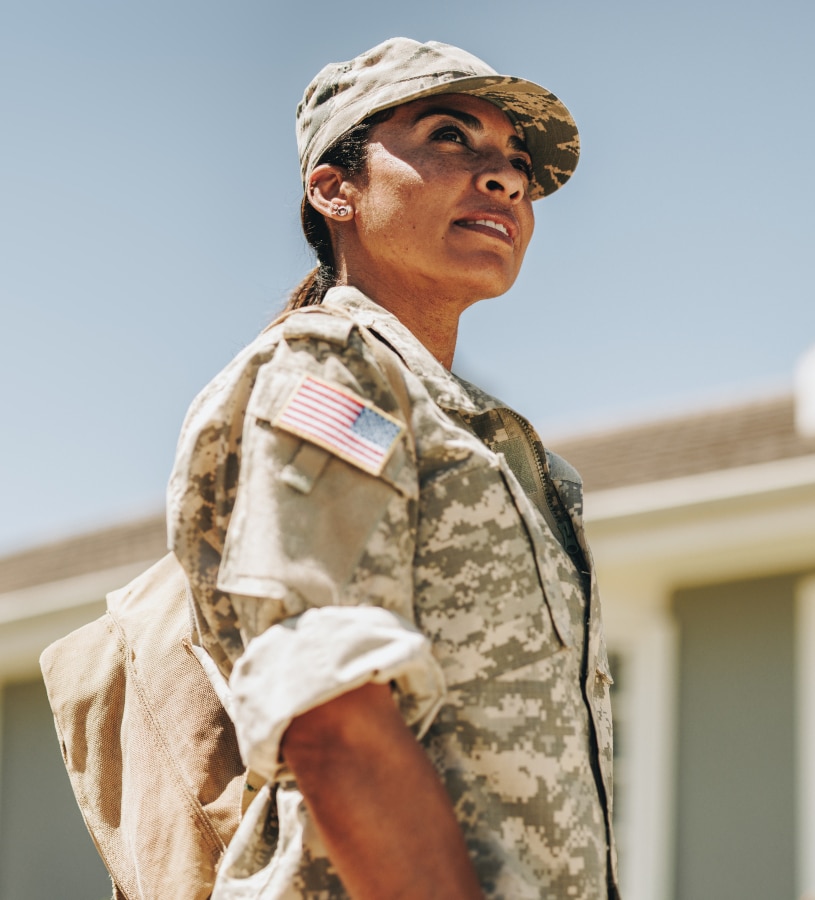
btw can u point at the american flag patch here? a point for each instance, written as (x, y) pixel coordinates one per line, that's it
(341, 422)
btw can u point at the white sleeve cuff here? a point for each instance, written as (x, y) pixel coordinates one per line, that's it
(321, 654)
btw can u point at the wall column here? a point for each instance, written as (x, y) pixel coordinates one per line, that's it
(805, 714)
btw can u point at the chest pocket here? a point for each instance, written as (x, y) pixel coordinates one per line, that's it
(486, 591)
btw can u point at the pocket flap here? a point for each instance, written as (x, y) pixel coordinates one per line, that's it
(546, 548)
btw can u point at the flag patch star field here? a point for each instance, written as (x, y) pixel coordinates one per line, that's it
(342, 423)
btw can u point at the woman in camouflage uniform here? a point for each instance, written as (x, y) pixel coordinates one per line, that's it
(385, 561)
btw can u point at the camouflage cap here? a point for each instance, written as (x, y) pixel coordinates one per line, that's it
(399, 70)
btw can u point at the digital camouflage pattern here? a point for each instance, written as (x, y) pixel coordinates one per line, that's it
(400, 70)
(473, 531)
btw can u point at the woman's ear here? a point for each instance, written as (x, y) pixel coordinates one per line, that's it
(327, 192)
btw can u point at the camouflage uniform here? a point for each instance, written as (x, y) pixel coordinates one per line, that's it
(460, 574)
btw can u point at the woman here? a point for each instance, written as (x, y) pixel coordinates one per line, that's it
(379, 551)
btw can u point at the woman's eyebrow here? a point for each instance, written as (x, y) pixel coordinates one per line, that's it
(472, 122)
(465, 118)
(516, 143)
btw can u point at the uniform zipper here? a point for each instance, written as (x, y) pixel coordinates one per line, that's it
(558, 519)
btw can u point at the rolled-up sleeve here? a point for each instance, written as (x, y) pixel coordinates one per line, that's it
(312, 658)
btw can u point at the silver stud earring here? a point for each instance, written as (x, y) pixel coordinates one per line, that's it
(340, 211)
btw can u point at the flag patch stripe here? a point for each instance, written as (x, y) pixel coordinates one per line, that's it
(328, 434)
(348, 426)
(325, 412)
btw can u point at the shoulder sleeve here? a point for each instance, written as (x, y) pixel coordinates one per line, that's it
(290, 464)
(326, 463)
(299, 482)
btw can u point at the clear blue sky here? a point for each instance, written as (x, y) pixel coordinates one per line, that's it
(148, 217)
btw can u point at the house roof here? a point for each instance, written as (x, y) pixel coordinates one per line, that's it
(714, 440)
(130, 542)
(749, 434)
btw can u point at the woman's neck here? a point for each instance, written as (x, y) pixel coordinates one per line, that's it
(432, 319)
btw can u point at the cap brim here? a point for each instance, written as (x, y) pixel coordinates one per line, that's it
(547, 125)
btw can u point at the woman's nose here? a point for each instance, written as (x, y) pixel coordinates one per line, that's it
(499, 175)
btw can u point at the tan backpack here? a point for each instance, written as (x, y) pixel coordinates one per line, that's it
(149, 748)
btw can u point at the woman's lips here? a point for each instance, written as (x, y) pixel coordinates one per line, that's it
(494, 227)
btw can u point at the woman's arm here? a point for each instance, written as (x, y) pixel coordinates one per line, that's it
(377, 801)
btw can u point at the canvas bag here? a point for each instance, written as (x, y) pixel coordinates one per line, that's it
(149, 748)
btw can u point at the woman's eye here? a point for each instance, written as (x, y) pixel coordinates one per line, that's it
(450, 133)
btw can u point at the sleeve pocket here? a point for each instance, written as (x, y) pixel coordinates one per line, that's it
(302, 515)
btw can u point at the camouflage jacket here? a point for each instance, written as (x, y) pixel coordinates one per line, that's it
(459, 546)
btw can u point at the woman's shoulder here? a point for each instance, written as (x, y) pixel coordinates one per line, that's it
(320, 323)
(317, 342)
(311, 332)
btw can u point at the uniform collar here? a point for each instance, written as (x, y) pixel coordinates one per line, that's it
(447, 390)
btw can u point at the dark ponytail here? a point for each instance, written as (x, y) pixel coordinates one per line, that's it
(350, 152)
